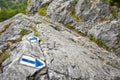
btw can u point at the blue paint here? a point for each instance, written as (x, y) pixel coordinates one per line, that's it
(37, 63)
(29, 61)
(33, 38)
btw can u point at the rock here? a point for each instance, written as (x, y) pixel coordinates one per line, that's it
(12, 69)
(67, 55)
(33, 5)
(93, 14)
(58, 11)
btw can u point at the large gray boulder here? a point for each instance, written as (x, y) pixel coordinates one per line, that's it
(67, 55)
(33, 5)
(58, 11)
(93, 10)
(108, 32)
(94, 17)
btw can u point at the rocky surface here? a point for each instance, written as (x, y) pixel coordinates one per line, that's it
(88, 17)
(67, 55)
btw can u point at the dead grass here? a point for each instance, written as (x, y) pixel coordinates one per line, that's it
(3, 56)
(5, 28)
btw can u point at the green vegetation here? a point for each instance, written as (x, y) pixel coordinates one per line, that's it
(114, 13)
(10, 8)
(3, 56)
(118, 39)
(114, 2)
(5, 28)
(100, 42)
(103, 19)
(91, 37)
(24, 31)
(36, 33)
(75, 1)
(118, 36)
(71, 28)
(30, 2)
(42, 10)
(72, 13)
(71, 10)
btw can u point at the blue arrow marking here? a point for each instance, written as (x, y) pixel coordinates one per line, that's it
(36, 62)
(33, 38)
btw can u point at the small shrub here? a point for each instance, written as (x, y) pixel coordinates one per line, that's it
(42, 10)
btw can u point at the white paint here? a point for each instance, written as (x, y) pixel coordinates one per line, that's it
(32, 59)
(33, 40)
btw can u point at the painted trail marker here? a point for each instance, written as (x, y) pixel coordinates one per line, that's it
(33, 39)
(32, 62)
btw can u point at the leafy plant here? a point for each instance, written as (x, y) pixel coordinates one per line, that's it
(42, 10)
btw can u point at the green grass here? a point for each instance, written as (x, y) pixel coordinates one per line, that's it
(24, 32)
(71, 10)
(118, 39)
(114, 13)
(71, 28)
(99, 42)
(75, 1)
(3, 56)
(42, 10)
(36, 33)
(91, 37)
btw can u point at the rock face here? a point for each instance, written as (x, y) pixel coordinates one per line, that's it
(33, 5)
(88, 17)
(67, 55)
